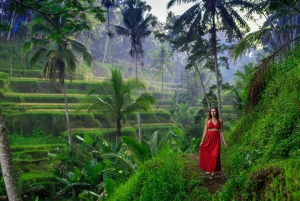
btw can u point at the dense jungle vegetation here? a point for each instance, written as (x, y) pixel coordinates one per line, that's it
(101, 101)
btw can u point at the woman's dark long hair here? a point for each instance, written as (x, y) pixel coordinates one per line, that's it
(209, 114)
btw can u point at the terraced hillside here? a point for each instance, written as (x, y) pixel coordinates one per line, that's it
(32, 106)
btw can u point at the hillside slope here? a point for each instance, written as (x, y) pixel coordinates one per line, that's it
(262, 160)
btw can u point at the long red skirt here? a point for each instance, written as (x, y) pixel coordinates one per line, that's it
(210, 152)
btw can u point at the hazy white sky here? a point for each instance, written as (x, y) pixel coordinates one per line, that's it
(159, 8)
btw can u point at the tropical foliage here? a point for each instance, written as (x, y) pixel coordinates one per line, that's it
(61, 51)
(118, 102)
(212, 16)
(280, 31)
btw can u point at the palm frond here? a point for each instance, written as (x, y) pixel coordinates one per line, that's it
(27, 46)
(122, 31)
(140, 151)
(245, 43)
(101, 105)
(79, 47)
(121, 159)
(142, 103)
(39, 55)
(157, 142)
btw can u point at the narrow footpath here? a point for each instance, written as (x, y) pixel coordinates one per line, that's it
(213, 185)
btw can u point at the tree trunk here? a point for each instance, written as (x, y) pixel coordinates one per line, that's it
(8, 170)
(137, 95)
(2, 16)
(177, 78)
(214, 53)
(118, 131)
(67, 118)
(162, 87)
(203, 88)
(11, 26)
(105, 50)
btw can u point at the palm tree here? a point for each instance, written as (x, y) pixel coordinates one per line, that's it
(206, 16)
(136, 27)
(162, 58)
(116, 101)
(61, 52)
(108, 4)
(283, 35)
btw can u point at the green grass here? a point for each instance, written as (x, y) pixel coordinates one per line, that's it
(168, 176)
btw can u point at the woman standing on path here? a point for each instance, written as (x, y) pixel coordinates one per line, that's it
(210, 144)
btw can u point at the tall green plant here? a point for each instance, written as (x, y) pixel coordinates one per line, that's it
(136, 26)
(116, 99)
(60, 50)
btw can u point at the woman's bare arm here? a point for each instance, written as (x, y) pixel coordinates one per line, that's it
(222, 133)
(204, 133)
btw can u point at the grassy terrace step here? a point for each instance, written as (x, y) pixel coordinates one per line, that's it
(31, 85)
(40, 178)
(40, 97)
(33, 106)
(55, 97)
(32, 148)
(55, 121)
(147, 130)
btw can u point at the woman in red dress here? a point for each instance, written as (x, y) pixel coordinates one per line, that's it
(210, 145)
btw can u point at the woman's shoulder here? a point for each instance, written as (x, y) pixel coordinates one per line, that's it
(220, 120)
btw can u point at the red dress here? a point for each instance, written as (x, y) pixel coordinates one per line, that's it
(210, 149)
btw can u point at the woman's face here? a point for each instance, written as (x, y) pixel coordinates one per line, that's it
(213, 112)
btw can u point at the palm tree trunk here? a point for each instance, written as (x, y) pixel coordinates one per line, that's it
(138, 94)
(177, 77)
(11, 25)
(67, 118)
(105, 49)
(118, 131)
(203, 87)
(214, 52)
(162, 87)
(2, 16)
(8, 170)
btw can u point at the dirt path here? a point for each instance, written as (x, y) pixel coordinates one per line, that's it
(212, 185)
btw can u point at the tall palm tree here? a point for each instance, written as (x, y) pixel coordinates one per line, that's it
(210, 16)
(283, 35)
(162, 58)
(61, 52)
(136, 27)
(108, 4)
(116, 100)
